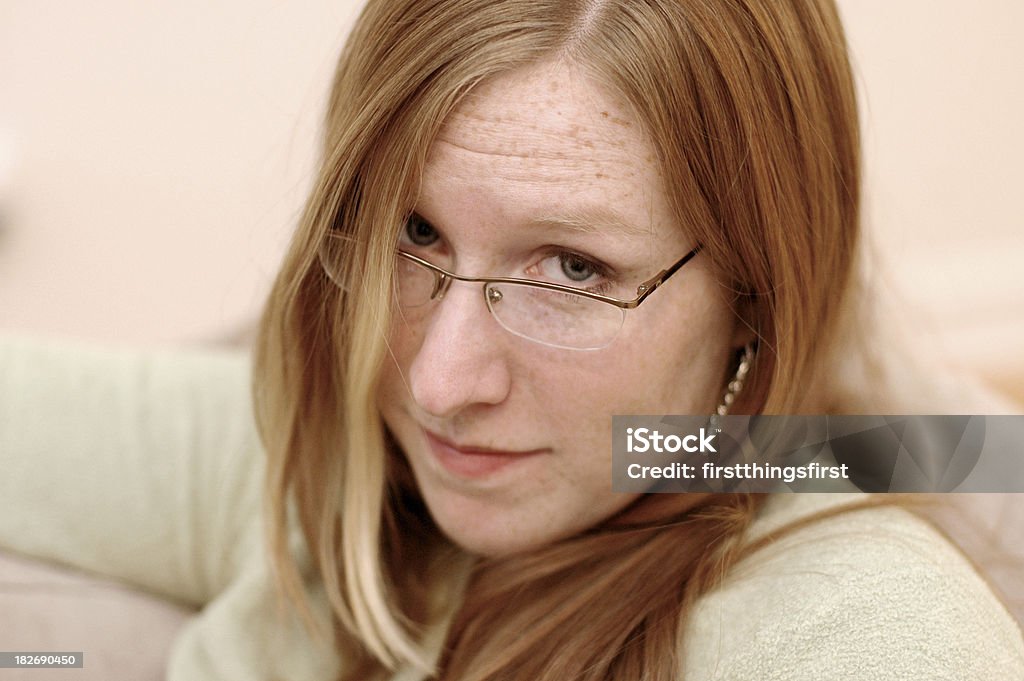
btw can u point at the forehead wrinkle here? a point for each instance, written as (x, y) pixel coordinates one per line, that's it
(595, 220)
(556, 135)
(514, 153)
(604, 173)
(513, 140)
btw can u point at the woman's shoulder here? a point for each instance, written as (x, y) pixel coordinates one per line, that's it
(873, 593)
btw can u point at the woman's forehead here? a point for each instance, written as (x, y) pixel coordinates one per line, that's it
(550, 110)
(545, 141)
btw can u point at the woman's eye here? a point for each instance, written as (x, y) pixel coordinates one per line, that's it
(576, 268)
(420, 232)
(570, 268)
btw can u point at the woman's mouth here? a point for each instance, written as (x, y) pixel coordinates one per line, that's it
(468, 461)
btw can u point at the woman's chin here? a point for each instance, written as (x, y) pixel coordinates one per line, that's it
(484, 527)
(487, 534)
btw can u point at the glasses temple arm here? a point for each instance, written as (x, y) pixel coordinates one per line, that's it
(650, 286)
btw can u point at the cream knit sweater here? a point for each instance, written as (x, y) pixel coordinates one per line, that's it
(146, 467)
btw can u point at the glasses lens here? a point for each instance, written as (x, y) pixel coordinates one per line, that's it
(414, 283)
(330, 255)
(561, 320)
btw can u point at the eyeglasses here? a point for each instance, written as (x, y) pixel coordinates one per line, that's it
(550, 314)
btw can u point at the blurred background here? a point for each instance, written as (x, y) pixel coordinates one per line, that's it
(154, 158)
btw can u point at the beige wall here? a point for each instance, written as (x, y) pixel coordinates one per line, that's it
(153, 157)
(157, 155)
(942, 99)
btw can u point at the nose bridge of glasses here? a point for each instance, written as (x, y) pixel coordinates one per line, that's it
(442, 282)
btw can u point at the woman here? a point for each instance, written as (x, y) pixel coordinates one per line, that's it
(532, 215)
(700, 157)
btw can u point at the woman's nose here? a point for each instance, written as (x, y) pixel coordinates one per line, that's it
(462, 358)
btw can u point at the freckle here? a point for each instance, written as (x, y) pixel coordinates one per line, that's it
(605, 114)
(600, 176)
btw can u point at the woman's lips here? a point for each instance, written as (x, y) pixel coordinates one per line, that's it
(472, 462)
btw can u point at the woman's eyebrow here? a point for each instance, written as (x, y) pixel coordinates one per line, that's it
(593, 220)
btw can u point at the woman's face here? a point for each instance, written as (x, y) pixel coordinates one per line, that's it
(540, 174)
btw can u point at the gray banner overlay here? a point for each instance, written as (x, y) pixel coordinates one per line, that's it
(818, 454)
(42, 660)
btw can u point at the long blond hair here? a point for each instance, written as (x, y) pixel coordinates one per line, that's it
(749, 105)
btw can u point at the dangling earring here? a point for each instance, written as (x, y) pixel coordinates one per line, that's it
(736, 384)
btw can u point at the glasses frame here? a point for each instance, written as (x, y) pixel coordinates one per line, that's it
(443, 279)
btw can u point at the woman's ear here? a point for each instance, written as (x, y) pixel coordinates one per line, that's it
(744, 331)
